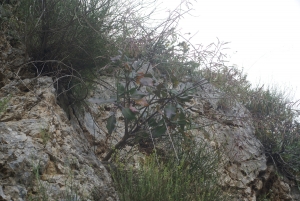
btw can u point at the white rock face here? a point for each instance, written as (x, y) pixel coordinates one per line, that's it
(42, 152)
(225, 125)
(228, 127)
(40, 148)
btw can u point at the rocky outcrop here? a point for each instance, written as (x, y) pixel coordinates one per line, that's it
(43, 154)
(223, 123)
(226, 126)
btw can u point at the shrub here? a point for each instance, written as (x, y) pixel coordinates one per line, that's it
(277, 128)
(274, 117)
(151, 85)
(73, 32)
(68, 40)
(193, 177)
(152, 109)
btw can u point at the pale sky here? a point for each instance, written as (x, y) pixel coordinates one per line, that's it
(264, 36)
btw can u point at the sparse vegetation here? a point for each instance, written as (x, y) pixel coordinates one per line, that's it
(275, 118)
(69, 40)
(40, 190)
(277, 128)
(3, 104)
(194, 177)
(45, 135)
(157, 70)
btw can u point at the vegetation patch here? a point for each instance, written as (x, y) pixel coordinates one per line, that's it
(193, 177)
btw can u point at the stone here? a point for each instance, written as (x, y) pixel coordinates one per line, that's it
(39, 146)
(45, 149)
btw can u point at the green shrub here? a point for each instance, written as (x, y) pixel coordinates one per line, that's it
(277, 128)
(274, 117)
(194, 177)
(263, 197)
(68, 40)
(72, 31)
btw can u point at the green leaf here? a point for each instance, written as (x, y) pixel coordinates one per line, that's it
(141, 135)
(159, 131)
(152, 123)
(174, 81)
(132, 91)
(174, 92)
(135, 94)
(159, 88)
(111, 124)
(178, 106)
(121, 89)
(170, 110)
(128, 114)
(182, 121)
(138, 95)
(185, 98)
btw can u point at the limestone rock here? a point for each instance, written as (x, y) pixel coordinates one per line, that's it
(45, 153)
(224, 124)
(42, 153)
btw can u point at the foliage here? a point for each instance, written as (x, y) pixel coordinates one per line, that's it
(273, 114)
(45, 135)
(70, 31)
(263, 197)
(3, 104)
(68, 40)
(41, 189)
(193, 177)
(152, 89)
(9, 22)
(151, 108)
(156, 73)
(277, 127)
(230, 80)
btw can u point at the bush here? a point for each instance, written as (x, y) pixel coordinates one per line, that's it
(71, 32)
(152, 69)
(68, 40)
(277, 128)
(194, 177)
(274, 117)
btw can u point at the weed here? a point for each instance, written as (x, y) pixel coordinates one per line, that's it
(44, 191)
(193, 178)
(41, 190)
(45, 135)
(3, 104)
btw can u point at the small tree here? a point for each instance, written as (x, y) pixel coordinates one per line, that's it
(154, 72)
(150, 106)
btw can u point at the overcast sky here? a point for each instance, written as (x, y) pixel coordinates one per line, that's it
(264, 36)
